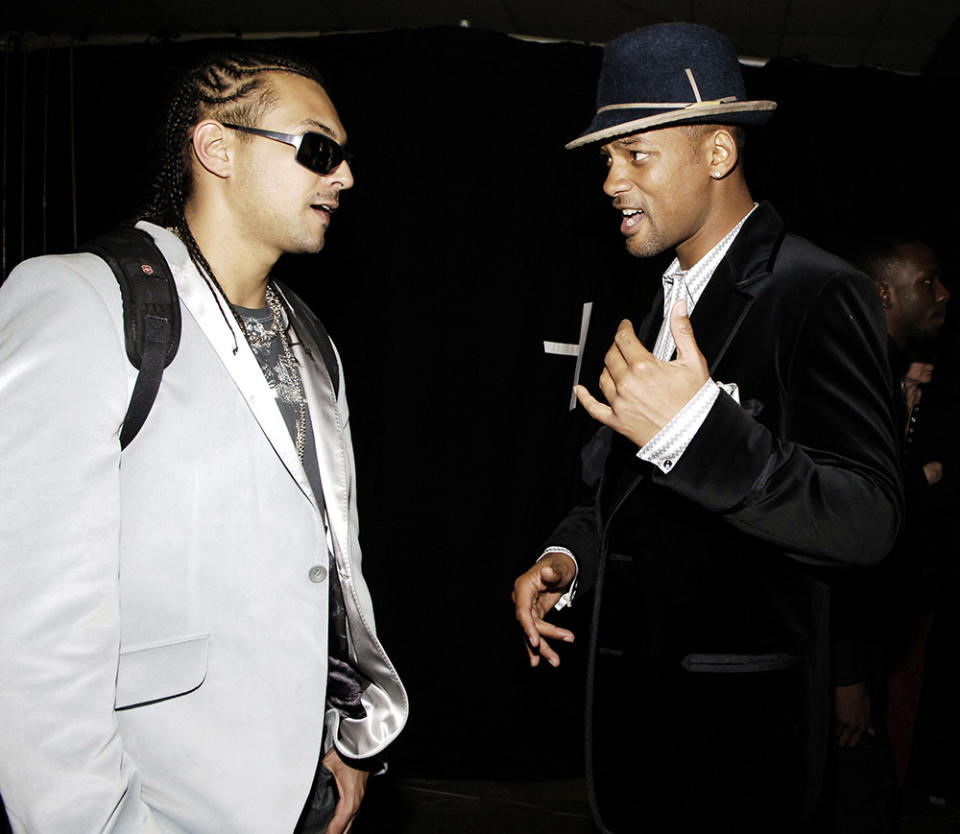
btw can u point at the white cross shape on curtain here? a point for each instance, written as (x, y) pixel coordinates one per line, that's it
(568, 349)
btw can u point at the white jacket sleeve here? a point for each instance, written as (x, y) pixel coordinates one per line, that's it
(64, 385)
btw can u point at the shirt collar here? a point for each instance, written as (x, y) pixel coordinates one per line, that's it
(690, 283)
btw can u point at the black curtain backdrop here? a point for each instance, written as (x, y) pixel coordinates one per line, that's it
(471, 237)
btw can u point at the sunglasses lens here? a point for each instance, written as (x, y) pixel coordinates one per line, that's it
(319, 153)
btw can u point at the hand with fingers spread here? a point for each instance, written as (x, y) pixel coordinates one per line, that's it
(534, 595)
(644, 393)
(351, 785)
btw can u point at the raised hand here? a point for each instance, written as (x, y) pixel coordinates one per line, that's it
(643, 392)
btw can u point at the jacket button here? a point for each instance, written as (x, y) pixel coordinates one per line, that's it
(318, 573)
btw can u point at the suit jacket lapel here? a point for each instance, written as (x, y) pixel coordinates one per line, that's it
(224, 335)
(727, 298)
(719, 313)
(328, 434)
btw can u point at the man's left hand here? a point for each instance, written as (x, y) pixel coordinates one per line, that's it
(351, 785)
(644, 393)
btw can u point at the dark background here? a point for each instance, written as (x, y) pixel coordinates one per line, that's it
(470, 237)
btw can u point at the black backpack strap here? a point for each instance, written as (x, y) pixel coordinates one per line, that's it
(151, 315)
(317, 331)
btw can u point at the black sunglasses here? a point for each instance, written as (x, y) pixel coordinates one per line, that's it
(315, 151)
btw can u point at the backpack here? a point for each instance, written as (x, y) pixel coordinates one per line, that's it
(151, 317)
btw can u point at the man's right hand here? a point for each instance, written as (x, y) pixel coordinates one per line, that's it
(534, 594)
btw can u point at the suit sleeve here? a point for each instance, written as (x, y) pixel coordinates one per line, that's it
(824, 484)
(63, 393)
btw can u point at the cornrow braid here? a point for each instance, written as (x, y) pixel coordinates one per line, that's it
(226, 87)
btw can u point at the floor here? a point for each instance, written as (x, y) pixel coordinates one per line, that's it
(930, 815)
(436, 806)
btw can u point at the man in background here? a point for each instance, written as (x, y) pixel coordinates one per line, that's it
(908, 277)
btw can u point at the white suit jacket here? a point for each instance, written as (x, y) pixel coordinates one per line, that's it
(163, 627)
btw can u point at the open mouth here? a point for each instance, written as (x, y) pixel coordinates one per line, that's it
(631, 219)
(324, 209)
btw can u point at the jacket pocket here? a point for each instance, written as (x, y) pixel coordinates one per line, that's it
(726, 664)
(157, 671)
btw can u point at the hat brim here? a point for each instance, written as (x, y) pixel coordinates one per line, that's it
(605, 125)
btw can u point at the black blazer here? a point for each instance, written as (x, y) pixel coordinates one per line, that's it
(710, 580)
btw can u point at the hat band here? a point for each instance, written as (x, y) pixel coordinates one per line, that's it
(665, 105)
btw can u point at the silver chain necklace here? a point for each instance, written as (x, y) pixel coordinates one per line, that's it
(276, 329)
(276, 322)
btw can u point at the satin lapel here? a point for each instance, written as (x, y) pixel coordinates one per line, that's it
(328, 435)
(719, 314)
(224, 335)
(730, 293)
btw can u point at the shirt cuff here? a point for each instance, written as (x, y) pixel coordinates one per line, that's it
(567, 599)
(666, 447)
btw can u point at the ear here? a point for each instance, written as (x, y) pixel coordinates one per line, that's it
(212, 146)
(721, 153)
(885, 295)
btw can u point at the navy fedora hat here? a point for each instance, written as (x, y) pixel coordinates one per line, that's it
(670, 73)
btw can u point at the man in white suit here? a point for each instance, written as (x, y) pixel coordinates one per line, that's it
(184, 628)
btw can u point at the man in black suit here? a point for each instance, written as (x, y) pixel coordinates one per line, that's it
(879, 634)
(748, 446)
